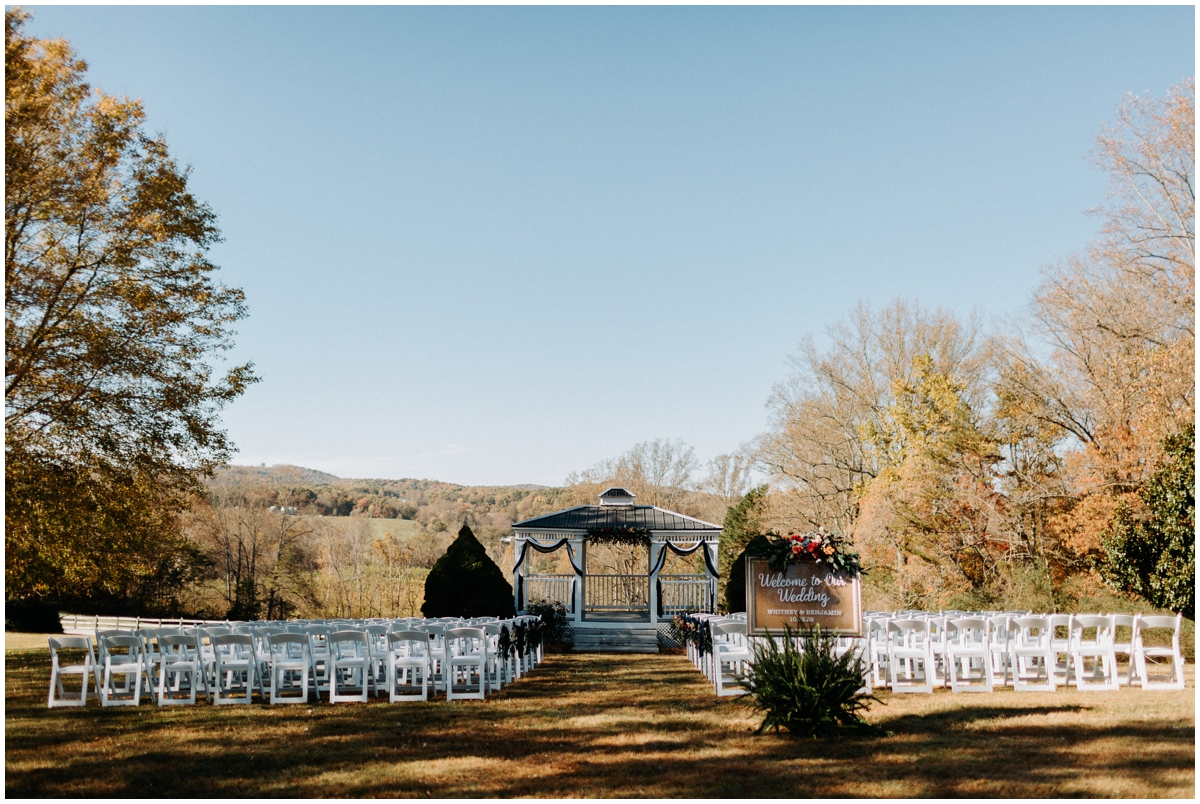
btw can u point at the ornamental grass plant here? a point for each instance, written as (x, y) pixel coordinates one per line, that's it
(811, 692)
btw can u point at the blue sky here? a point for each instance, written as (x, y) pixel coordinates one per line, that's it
(496, 245)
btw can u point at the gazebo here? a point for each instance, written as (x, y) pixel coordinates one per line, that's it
(634, 598)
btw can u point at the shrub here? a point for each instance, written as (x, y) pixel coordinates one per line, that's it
(555, 629)
(32, 616)
(811, 693)
(465, 582)
(735, 587)
(1154, 557)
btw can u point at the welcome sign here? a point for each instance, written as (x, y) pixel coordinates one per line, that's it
(803, 595)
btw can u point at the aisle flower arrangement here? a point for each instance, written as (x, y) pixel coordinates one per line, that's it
(694, 631)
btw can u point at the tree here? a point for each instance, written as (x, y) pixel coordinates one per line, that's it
(727, 481)
(735, 582)
(113, 320)
(1120, 321)
(1154, 555)
(818, 451)
(465, 582)
(934, 498)
(742, 523)
(658, 472)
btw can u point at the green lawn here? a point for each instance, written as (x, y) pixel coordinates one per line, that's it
(598, 725)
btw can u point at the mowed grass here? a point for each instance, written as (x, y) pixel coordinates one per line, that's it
(601, 726)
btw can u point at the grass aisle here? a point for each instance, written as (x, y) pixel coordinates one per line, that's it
(598, 725)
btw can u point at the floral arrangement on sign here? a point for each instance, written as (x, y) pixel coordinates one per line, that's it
(818, 545)
(623, 535)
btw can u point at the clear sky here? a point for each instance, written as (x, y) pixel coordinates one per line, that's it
(496, 245)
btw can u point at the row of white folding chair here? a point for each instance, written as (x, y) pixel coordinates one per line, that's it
(731, 656)
(120, 667)
(454, 659)
(733, 652)
(231, 666)
(1027, 647)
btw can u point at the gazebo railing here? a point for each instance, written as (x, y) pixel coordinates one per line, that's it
(548, 589)
(616, 592)
(682, 593)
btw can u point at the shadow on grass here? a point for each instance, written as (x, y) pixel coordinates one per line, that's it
(575, 727)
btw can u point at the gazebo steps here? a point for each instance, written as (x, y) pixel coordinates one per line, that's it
(616, 640)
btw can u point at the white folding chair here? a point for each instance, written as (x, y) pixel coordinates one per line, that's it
(378, 645)
(1095, 662)
(408, 666)
(999, 646)
(85, 671)
(1060, 640)
(1147, 656)
(910, 654)
(467, 659)
(438, 653)
(349, 667)
(1032, 654)
(495, 664)
(1124, 647)
(877, 642)
(937, 645)
(237, 669)
(179, 664)
(731, 656)
(968, 655)
(122, 656)
(290, 663)
(318, 653)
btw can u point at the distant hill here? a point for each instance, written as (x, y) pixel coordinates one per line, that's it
(284, 474)
(281, 473)
(437, 506)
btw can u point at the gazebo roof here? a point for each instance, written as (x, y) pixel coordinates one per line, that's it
(650, 517)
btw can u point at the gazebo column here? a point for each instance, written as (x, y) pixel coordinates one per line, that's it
(710, 551)
(656, 548)
(579, 545)
(517, 572)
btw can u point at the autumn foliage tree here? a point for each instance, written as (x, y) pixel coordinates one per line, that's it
(113, 323)
(963, 466)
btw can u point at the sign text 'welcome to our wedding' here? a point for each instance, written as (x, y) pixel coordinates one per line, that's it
(804, 595)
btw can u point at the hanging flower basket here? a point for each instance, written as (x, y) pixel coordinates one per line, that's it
(818, 546)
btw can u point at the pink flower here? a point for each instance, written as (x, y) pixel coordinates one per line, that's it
(816, 538)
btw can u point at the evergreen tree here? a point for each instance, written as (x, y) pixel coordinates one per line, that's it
(742, 523)
(1155, 557)
(465, 582)
(735, 585)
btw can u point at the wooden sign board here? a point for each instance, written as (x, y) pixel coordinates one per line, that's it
(806, 594)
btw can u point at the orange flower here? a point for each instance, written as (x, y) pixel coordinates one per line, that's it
(828, 550)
